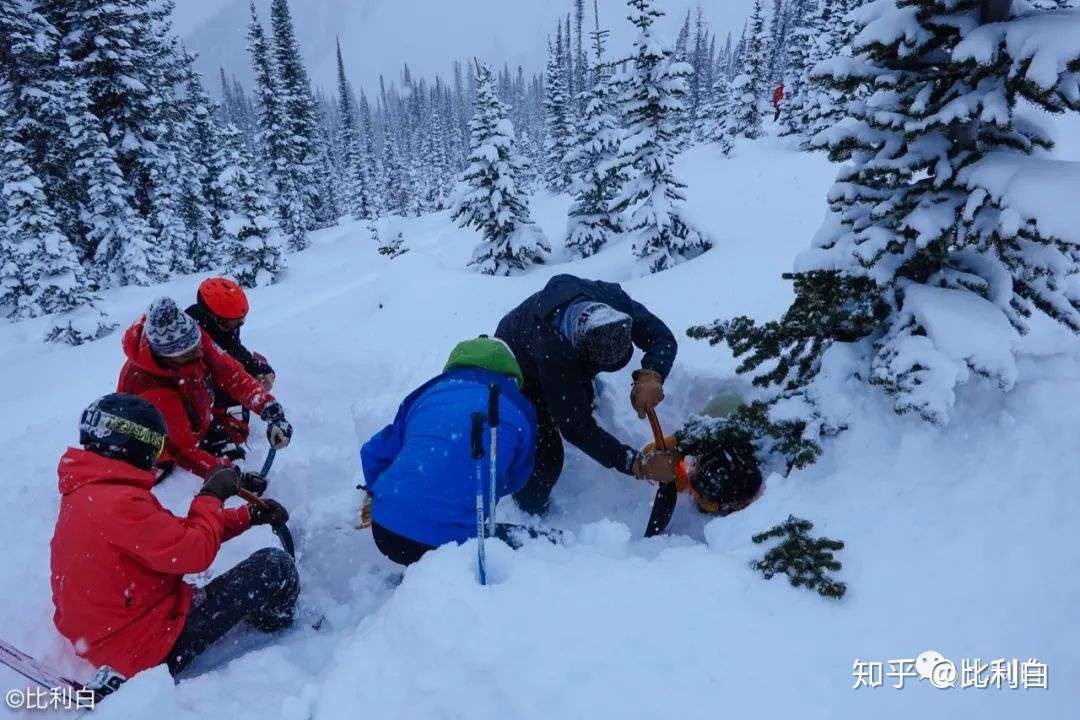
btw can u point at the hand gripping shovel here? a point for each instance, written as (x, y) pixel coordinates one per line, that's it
(280, 529)
(668, 492)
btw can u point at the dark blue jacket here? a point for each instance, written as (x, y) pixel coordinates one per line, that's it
(558, 380)
(419, 469)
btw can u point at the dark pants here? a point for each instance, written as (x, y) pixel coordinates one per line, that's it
(227, 434)
(405, 551)
(547, 466)
(260, 592)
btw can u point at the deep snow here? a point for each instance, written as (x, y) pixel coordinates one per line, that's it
(962, 540)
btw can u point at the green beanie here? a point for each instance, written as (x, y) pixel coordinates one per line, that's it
(486, 353)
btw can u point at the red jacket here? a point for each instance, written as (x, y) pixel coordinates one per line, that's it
(185, 396)
(118, 560)
(778, 96)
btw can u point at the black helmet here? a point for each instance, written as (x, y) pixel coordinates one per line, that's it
(728, 477)
(123, 427)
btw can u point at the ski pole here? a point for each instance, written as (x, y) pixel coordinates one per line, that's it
(493, 421)
(478, 456)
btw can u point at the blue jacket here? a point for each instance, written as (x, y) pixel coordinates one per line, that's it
(419, 469)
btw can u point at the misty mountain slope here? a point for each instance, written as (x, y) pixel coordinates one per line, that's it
(377, 36)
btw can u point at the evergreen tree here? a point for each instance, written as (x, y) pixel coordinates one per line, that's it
(274, 140)
(581, 83)
(938, 221)
(40, 273)
(122, 241)
(490, 199)
(827, 104)
(557, 175)
(299, 124)
(254, 249)
(805, 560)
(750, 86)
(793, 111)
(357, 196)
(655, 88)
(591, 222)
(718, 129)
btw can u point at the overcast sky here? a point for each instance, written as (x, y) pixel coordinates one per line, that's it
(377, 36)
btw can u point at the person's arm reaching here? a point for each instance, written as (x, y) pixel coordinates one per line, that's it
(180, 441)
(378, 453)
(168, 544)
(571, 406)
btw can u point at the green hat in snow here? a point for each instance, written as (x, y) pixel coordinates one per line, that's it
(486, 353)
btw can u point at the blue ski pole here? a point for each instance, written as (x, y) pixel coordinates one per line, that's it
(493, 422)
(478, 456)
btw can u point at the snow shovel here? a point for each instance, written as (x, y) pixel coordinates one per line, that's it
(280, 529)
(668, 492)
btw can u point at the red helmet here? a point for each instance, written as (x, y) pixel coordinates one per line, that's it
(224, 298)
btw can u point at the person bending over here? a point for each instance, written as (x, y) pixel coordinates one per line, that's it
(563, 337)
(419, 471)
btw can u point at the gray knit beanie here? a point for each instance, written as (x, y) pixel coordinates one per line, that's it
(170, 331)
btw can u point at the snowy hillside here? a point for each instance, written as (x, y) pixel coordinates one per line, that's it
(962, 540)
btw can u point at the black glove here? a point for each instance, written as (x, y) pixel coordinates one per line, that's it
(222, 483)
(278, 429)
(254, 482)
(274, 513)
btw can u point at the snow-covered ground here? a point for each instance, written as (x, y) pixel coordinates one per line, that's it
(963, 540)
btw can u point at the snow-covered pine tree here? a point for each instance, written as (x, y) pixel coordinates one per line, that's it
(371, 164)
(395, 183)
(121, 240)
(591, 222)
(357, 197)
(750, 86)
(702, 79)
(560, 134)
(946, 233)
(718, 127)
(254, 253)
(40, 272)
(490, 198)
(205, 161)
(653, 96)
(299, 123)
(798, 64)
(28, 65)
(581, 65)
(273, 139)
(824, 105)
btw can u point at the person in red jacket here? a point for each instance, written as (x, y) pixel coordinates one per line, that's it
(221, 308)
(777, 98)
(118, 558)
(172, 363)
